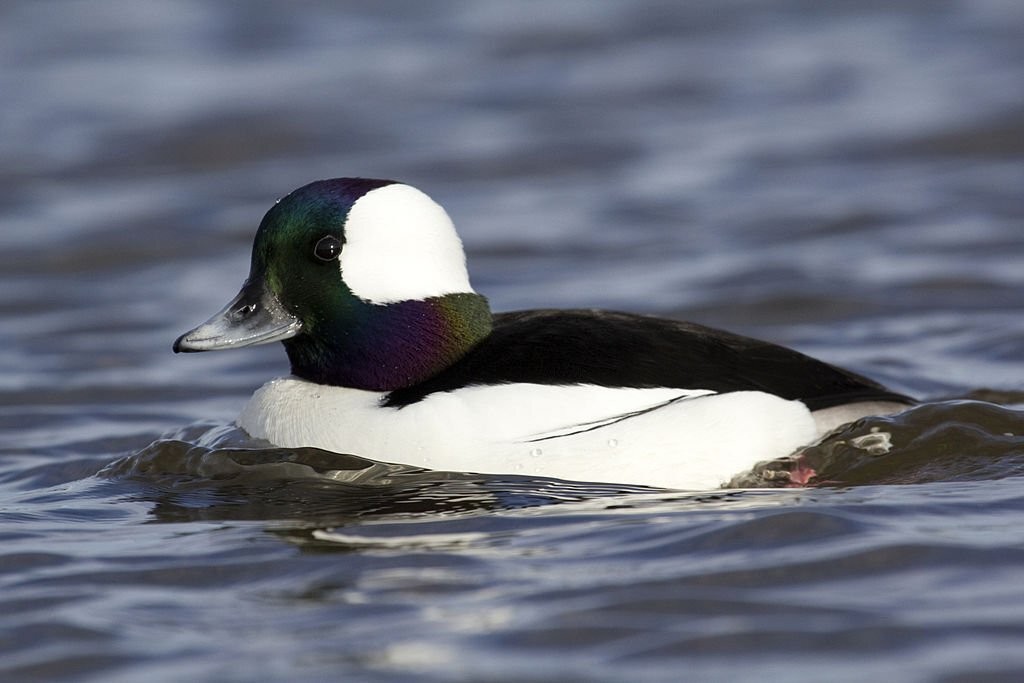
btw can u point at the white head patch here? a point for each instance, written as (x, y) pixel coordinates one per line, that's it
(400, 245)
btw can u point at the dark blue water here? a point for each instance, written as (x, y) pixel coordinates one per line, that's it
(840, 177)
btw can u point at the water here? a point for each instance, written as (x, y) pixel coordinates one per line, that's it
(842, 177)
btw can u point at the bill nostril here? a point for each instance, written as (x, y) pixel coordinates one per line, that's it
(243, 312)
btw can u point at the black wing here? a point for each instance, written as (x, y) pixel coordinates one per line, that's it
(622, 349)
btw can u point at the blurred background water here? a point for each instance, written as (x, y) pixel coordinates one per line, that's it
(842, 177)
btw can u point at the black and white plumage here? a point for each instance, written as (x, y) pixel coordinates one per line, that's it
(395, 358)
(614, 349)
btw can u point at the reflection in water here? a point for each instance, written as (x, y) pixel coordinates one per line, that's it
(219, 473)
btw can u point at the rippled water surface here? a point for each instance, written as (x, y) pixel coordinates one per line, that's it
(841, 177)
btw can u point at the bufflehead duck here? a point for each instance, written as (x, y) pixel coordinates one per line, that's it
(394, 357)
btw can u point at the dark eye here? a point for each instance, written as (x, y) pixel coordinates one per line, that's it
(328, 248)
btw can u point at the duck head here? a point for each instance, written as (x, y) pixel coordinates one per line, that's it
(365, 283)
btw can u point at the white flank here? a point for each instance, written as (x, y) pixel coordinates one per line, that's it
(829, 419)
(399, 245)
(671, 438)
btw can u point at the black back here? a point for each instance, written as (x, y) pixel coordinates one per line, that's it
(612, 349)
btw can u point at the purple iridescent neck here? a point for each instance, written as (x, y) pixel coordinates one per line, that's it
(391, 346)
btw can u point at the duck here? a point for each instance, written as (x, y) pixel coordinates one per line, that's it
(396, 358)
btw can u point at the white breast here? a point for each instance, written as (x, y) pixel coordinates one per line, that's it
(659, 437)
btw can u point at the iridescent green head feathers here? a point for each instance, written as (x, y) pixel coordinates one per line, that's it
(363, 280)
